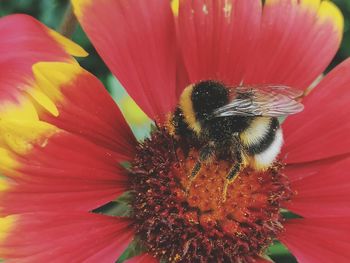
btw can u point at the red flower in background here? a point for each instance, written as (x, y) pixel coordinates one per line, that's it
(62, 138)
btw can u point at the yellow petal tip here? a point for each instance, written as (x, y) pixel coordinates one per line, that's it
(23, 109)
(7, 161)
(328, 11)
(52, 76)
(3, 184)
(79, 6)
(175, 7)
(21, 136)
(311, 4)
(6, 224)
(68, 45)
(44, 101)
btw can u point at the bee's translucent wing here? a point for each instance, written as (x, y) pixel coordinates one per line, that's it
(271, 89)
(269, 100)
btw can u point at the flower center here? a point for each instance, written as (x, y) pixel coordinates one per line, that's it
(188, 220)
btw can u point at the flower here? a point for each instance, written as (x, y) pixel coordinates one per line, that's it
(63, 141)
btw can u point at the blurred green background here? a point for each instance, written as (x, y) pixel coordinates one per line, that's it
(52, 13)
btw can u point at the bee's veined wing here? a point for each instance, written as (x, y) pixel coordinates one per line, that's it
(270, 101)
(270, 89)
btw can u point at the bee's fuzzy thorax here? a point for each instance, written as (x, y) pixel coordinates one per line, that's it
(206, 97)
(186, 107)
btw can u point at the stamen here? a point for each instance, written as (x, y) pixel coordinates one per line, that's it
(185, 219)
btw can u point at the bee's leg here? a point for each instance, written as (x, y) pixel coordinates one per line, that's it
(235, 169)
(231, 176)
(205, 154)
(196, 168)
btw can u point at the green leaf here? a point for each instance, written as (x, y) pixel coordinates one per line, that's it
(120, 207)
(280, 254)
(289, 214)
(126, 165)
(134, 249)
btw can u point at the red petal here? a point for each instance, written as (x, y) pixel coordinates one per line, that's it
(47, 169)
(144, 258)
(323, 191)
(136, 39)
(318, 240)
(58, 87)
(322, 129)
(182, 78)
(298, 39)
(84, 107)
(24, 42)
(216, 37)
(298, 171)
(63, 237)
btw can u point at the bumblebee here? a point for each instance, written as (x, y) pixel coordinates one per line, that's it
(235, 123)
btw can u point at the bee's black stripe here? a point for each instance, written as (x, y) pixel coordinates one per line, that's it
(267, 140)
(181, 127)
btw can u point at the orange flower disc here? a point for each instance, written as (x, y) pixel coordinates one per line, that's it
(185, 220)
